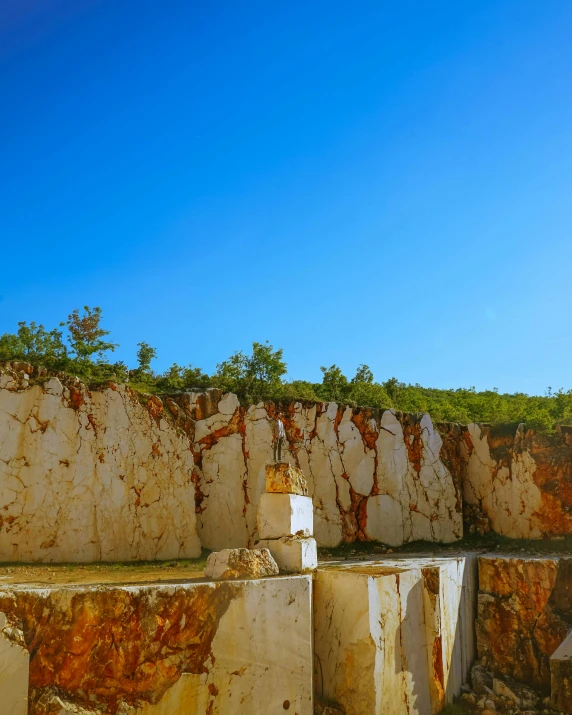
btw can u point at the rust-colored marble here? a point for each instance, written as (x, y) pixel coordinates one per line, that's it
(103, 647)
(524, 613)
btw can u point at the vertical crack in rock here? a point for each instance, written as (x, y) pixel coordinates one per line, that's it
(105, 648)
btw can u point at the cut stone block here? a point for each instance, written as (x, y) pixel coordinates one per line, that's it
(292, 554)
(561, 676)
(262, 657)
(285, 515)
(188, 648)
(14, 668)
(283, 478)
(240, 563)
(394, 636)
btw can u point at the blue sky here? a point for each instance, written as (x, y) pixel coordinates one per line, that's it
(379, 182)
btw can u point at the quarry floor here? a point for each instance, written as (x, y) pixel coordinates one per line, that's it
(193, 569)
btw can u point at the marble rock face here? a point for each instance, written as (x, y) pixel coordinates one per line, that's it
(394, 636)
(194, 648)
(285, 515)
(293, 554)
(371, 474)
(283, 478)
(521, 481)
(109, 474)
(524, 614)
(96, 475)
(240, 563)
(561, 676)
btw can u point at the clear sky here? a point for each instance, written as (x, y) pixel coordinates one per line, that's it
(385, 182)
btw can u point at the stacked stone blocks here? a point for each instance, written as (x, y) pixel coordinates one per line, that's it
(286, 519)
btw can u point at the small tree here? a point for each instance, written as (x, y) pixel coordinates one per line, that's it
(145, 355)
(86, 334)
(335, 386)
(255, 376)
(363, 374)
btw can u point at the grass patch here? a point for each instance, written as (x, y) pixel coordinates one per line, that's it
(455, 709)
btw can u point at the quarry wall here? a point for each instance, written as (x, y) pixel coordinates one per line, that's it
(90, 475)
(371, 474)
(520, 481)
(110, 474)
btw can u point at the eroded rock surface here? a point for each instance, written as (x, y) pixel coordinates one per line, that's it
(561, 676)
(520, 481)
(284, 478)
(94, 475)
(240, 563)
(524, 614)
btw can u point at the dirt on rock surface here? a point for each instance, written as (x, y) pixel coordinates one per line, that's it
(102, 573)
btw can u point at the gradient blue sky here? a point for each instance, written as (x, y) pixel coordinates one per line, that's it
(385, 182)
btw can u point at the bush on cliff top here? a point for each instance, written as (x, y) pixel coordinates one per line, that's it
(261, 375)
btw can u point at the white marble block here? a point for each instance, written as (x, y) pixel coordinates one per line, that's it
(285, 515)
(395, 636)
(293, 555)
(262, 657)
(218, 647)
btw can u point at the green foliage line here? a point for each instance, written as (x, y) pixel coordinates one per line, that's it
(82, 349)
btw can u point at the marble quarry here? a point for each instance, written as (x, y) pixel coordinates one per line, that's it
(109, 474)
(394, 635)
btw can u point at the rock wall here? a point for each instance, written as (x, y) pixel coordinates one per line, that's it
(521, 482)
(109, 474)
(371, 474)
(189, 648)
(524, 614)
(90, 475)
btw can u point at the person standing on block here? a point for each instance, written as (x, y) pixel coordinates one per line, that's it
(280, 436)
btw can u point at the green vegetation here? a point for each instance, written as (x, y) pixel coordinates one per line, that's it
(455, 709)
(84, 351)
